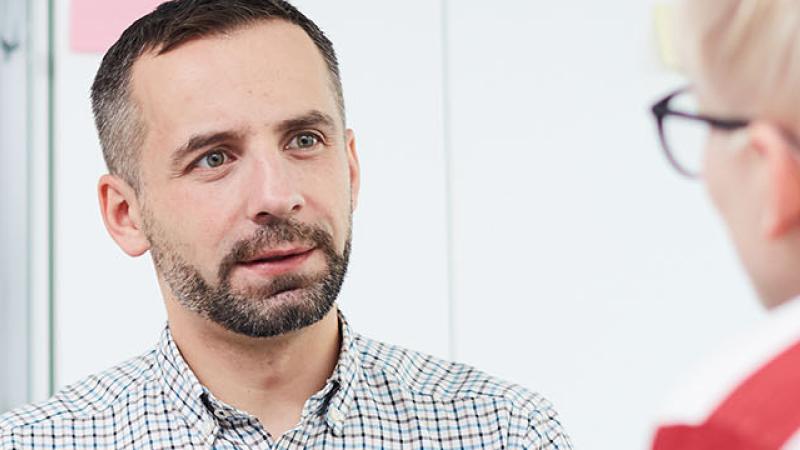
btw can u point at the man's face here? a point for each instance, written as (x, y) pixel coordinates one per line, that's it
(248, 178)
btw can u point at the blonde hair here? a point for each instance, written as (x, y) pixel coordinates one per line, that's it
(744, 55)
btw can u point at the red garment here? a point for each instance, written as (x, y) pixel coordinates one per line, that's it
(762, 412)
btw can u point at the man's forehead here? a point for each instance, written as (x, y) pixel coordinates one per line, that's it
(270, 70)
(262, 44)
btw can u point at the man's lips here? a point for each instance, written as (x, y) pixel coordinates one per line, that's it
(277, 261)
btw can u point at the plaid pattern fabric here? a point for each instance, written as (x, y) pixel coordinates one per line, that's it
(379, 397)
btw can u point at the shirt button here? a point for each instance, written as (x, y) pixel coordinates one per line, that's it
(335, 415)
(221, 413)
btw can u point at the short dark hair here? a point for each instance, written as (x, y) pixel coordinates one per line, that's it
(118, 120)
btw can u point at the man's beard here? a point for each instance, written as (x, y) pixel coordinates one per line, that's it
(263, 311)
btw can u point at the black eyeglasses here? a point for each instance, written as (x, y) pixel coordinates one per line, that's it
(683, 131)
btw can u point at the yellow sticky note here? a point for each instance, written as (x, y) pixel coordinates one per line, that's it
(665, 35)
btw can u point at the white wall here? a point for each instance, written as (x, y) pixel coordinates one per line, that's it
(107, 305)
(582, 266)
(585, 267)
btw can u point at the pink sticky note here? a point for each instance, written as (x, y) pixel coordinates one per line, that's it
(96, 24)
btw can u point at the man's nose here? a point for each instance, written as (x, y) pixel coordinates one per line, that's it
(273, 191)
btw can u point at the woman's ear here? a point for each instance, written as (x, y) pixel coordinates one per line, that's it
(121, 213)
(781, 212)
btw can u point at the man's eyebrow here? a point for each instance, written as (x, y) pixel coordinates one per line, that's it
(308, 120)
(200, 141)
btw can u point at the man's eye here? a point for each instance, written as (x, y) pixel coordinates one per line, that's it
(304, 141)
(212, 160)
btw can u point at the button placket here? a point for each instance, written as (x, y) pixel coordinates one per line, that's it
(335, 415)
(209, 427)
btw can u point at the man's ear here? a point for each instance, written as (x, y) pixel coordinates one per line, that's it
(121, 214)
(353, 165)
(781, 212)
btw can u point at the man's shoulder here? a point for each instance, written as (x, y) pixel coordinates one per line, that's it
(88, 399)
(445, 381)
(457, 396)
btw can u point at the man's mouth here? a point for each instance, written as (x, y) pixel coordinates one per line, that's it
(277, 261)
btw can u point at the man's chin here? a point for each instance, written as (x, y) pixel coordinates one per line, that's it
(270, 296)
(268, 314)
(277, 287)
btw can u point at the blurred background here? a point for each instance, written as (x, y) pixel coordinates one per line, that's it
(516, 212)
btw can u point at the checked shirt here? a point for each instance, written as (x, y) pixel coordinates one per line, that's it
(378, 397)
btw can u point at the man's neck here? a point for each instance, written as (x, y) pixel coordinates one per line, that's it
(270, 378)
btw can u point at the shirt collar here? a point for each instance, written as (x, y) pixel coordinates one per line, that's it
(183, 390)
(197, 405)
(334, 403)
